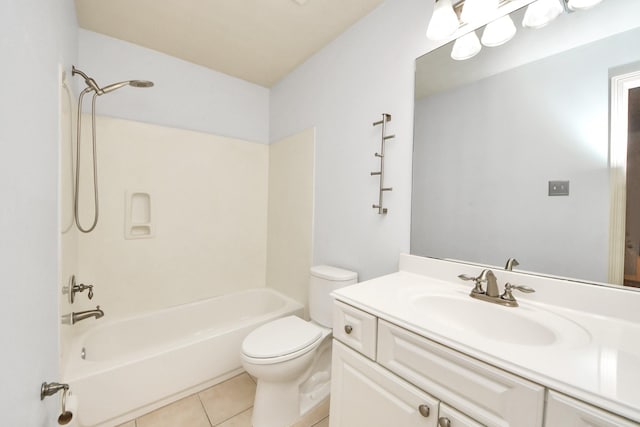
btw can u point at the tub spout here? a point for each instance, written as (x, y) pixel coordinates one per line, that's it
(81, 315)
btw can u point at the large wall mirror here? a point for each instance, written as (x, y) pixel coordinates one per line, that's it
(492, 131)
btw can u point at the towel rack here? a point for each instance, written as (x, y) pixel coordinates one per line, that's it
(386, 118)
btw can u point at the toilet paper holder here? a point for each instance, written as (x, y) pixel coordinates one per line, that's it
(49, 389)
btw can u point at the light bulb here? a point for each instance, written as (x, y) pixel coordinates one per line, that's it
(541, 12)
(444, 21)
(466, 47)
(582, 4)
(498, 32)
(476, 11)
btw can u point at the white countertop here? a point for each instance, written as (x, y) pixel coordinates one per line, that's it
(595, 358)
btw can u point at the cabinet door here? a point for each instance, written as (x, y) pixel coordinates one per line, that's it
(492, 396)
(563, 411)
(449, 417)
(364, 394)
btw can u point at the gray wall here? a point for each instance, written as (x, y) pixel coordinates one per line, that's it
(36, 38)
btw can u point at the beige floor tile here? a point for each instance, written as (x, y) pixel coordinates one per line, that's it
(129, 424)
(187, 412)
(323, 423)
(241, 420)
(315, 415)
(229, 398)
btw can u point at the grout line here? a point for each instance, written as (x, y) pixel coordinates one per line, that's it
(206, 414)
(322, 420)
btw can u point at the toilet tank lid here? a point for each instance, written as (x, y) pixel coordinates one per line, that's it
(333, 273)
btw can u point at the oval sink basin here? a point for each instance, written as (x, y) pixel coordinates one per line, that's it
(513, 325)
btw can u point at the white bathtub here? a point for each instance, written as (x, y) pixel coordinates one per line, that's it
(140, 363)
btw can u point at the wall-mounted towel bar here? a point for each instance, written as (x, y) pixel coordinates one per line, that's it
(385, 119)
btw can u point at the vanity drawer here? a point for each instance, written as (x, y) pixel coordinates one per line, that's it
(355, 328)
(484, 393)
(565, 411)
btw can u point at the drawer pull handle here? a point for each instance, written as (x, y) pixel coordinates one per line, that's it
(424, 410)
(348, 329)
(444, 422)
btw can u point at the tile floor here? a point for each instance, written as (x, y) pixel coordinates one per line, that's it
(228, 404)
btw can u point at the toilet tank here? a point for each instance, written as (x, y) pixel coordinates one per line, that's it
(324, 280)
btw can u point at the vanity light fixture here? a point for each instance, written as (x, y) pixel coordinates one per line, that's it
(541, 12)
(444, 21)
(478, 10)
(466, 47)
(498, 32)
(581, 4)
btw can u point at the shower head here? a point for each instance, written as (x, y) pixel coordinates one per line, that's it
(134, 83)
(92, 85)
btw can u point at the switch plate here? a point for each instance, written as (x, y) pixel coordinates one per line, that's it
(558, 188)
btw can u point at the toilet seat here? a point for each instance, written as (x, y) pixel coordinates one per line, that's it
(280, 340)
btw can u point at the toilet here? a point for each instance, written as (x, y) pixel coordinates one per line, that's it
(291, 357)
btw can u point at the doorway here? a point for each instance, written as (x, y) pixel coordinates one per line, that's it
(632, 217)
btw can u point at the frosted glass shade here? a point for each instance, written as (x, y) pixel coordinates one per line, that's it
(541, 12)
(498, 32)
(475, 11)
(444, 21)
(466, 47)
(582, 4)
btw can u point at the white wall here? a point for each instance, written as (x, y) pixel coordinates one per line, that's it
(342, 90)
(185, 95)
(290, 219)
(35, 37)
(208, 218)
(489, 149)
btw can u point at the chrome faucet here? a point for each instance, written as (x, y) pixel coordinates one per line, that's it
(81, 315)
(511, 262)
(492, 294)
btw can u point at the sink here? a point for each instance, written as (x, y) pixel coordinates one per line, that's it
(455, 315)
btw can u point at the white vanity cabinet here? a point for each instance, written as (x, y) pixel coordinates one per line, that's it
(563, 411)
(365, 394)
(417, 382)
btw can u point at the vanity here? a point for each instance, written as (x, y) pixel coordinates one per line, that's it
(412, 348)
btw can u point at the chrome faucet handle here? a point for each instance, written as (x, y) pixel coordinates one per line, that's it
(477, 280)
(508, 288)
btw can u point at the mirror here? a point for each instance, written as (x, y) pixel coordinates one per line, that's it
(491, 133)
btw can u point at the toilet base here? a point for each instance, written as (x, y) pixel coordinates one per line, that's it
(281, 404)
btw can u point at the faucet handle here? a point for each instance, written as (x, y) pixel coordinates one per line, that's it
(508, 287)
(477, 280)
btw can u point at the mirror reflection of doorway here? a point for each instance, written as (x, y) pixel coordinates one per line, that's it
(632, 222)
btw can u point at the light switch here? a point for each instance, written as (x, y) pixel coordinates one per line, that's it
(558, 188)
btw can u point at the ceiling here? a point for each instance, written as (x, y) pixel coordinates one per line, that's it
(260, 41)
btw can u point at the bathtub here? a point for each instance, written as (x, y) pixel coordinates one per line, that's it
(124, 368)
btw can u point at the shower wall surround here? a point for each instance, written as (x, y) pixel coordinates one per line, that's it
(209, 200)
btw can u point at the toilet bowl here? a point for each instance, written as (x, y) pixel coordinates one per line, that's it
(291, 357)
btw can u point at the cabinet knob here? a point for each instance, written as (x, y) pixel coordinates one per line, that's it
(424, 410)
(348, 329)
(444, 422)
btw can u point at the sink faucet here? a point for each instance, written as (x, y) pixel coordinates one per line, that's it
(492, 294)
(81, 315)
(511, 262)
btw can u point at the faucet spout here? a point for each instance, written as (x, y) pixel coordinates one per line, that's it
(81, 315)
(492, 282)
(511, 262)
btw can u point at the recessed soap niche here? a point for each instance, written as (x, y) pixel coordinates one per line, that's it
(138, 215)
